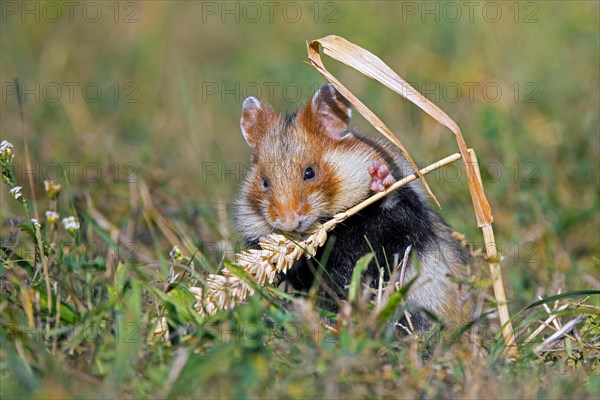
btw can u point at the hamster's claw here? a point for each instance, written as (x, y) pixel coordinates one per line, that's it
(381, 177)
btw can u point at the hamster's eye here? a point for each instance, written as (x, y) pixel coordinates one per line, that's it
(265, 183)
(309, 173)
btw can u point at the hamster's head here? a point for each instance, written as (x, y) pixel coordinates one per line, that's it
(304, 166)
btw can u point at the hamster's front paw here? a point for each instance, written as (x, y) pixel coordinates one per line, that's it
(381, 177)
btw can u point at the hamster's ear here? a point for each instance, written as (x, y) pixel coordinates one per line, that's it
(257, 118)
(328, 112)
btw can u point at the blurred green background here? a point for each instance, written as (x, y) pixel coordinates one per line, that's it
(152, 91)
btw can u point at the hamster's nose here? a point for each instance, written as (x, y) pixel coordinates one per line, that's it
(288, 223)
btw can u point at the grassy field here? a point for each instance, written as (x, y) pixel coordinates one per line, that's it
(133, 108)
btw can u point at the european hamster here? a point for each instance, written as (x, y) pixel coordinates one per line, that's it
(308, 166)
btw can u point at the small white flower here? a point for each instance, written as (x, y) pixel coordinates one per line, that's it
(5, 147)
(176, 255)
(52, 217)
(35, 223)
(172, 276)
(16, 192)
(71, 224)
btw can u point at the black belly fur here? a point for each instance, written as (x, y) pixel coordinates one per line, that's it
(406, 220)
